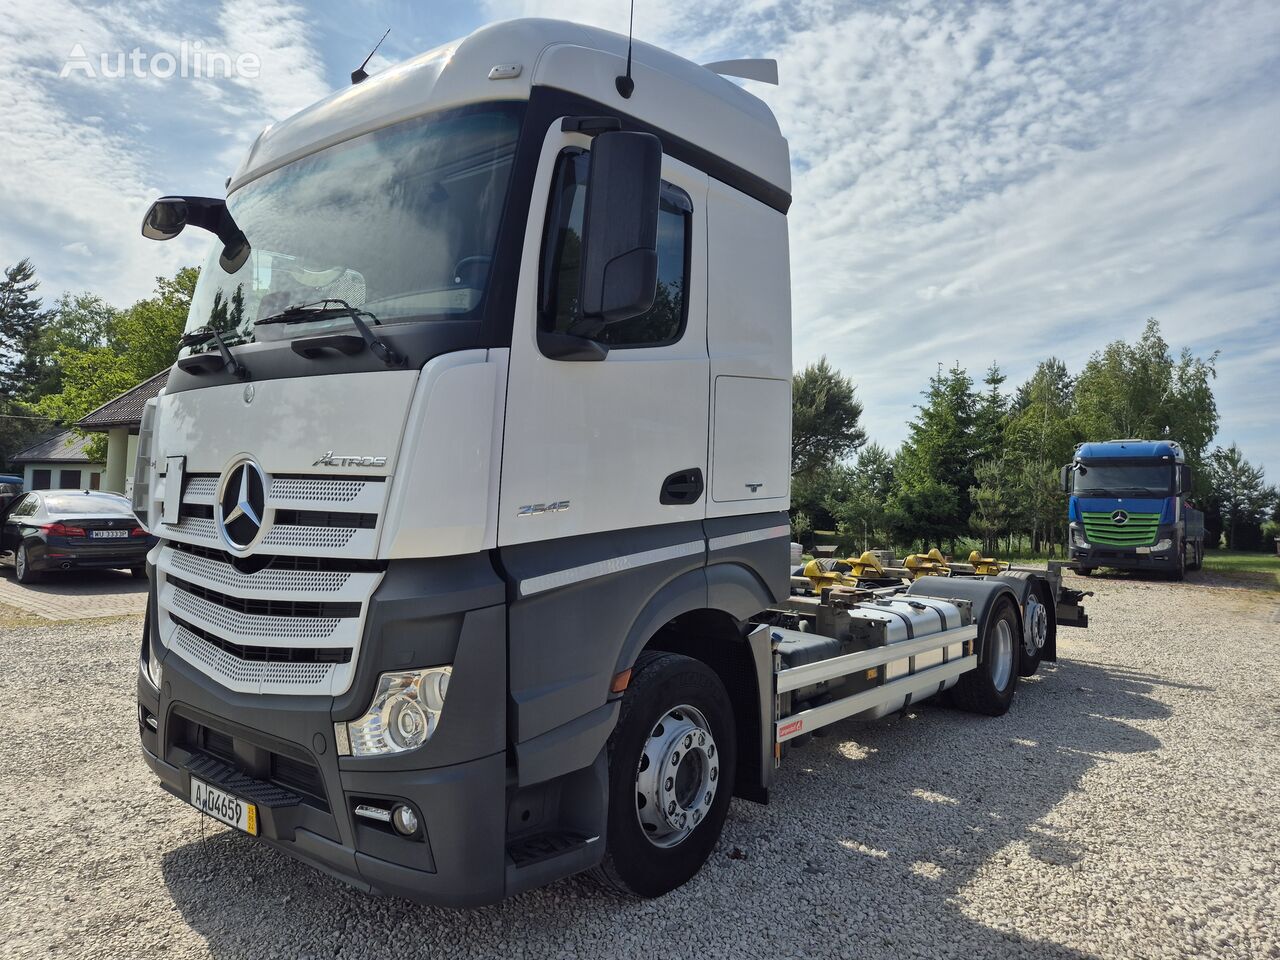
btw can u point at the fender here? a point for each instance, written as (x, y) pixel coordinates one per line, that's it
(981, 593)
(1024, 582)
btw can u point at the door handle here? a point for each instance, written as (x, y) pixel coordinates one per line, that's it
(682, 487)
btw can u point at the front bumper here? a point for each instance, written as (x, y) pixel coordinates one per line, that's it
(1124, 557)
(458, 861)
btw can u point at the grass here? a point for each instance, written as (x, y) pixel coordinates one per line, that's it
(1238, 565)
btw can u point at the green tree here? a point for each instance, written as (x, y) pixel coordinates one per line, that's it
(78, 322)
(994, 496)
(858, 500)
(1242, 497)
(1040, 424)
(991, 412)
(825, 416)
(21, 318)
(934, 468)
(141, 340)
(1140, 390)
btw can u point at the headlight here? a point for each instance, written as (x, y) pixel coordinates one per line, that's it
(1163, 545)
(151, 669)
(403, 715)
(1077, 538)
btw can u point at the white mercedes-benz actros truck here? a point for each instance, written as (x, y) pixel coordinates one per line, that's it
(471, 485)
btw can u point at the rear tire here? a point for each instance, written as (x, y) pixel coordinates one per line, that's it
(989, 688)
(22, 566)
(1197, 557)
(1179, 571)
(661, 727)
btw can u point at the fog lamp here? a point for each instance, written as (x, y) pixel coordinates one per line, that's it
(404, 820)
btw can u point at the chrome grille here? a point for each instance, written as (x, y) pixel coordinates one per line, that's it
(316, 490)
(247, 674)
(305, 585)
(269, 580)
(238, 624)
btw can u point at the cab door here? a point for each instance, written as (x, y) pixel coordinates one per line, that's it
(617, 443)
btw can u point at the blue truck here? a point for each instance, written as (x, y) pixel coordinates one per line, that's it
(1129, 510)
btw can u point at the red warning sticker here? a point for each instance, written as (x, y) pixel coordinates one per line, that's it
(795, 726)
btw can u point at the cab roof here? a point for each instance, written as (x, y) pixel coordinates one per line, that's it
(1130, 450)
(671, 93)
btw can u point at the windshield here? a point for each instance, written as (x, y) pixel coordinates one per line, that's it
(1152, 480)
(400, 222)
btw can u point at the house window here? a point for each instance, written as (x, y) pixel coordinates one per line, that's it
(41, 479)
(95, 479)
(68, 479)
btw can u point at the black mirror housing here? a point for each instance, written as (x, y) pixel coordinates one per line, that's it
(1064, 478)
(165, 218)
(620, 228)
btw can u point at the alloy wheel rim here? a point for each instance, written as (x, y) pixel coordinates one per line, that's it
(676, 777)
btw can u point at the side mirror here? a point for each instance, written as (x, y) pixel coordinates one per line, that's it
(1184, 478)
(620, 226)
(1064, 478)
(165, 219)
(168, 215)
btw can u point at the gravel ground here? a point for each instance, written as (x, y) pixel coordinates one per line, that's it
(1126, 807)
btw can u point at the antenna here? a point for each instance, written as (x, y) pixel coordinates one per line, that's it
(624, 83)
(358, 75)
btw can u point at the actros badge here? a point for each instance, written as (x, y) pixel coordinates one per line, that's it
(329, 460)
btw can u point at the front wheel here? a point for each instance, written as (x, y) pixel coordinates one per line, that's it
(672, 759)
(22, 566)
(989, 688)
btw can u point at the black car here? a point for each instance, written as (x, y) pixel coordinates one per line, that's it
(72, 529)
(9, 492)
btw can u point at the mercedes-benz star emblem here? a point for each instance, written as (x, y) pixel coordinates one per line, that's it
(241, 504)
(1120, 518)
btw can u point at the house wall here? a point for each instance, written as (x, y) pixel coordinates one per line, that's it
(55, 469)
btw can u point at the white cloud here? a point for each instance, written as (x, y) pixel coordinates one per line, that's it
(984, 181)
(86, 154)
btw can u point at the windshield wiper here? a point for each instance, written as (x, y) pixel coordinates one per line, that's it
(203, 335)
(320, 310)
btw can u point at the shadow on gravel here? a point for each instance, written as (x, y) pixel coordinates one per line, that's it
(872, 835)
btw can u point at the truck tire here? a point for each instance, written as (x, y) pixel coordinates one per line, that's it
(1179, 571)
(1197, 557)
(676, 717)
(1029, 663)
(989, 688)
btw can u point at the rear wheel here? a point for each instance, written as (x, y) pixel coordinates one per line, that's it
(671, 772)
(1179, 570)
(22, 566)
(989, 688)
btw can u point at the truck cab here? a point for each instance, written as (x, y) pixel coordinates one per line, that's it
(406, 553)
(1128, 508)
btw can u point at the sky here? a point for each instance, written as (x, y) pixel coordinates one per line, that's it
(973, 182)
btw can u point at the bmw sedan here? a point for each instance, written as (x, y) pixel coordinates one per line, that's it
(48, 530)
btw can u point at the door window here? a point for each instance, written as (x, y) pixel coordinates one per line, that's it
(664, 322)
(26, 507)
